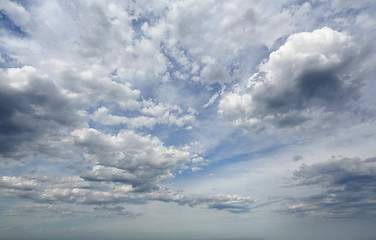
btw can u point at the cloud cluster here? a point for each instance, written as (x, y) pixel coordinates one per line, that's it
(304, 79)
(128, 157)
(108, 194)
(349, 189)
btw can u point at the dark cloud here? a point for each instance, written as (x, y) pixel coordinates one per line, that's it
(31, 107)
(349, 189)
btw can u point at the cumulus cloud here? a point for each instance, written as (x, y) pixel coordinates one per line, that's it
(303, 80)
(139, 160)
(349, 189)
(32, 106)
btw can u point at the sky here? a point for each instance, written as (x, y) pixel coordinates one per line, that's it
(184, 120)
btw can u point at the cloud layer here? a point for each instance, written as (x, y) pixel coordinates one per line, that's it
(350, 187)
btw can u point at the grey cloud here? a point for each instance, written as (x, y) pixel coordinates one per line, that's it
(214, 73)
(128, 157)
(134, 177)
(66, 210)
(105, 197)
(112, 211)
(31, 106)
(18, 187)
(41, 210)
(67, 190)
(18, 183)
(231, 203)
(304, 80)
(297, 158)
(349, 189)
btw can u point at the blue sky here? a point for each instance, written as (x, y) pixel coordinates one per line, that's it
(187, 120)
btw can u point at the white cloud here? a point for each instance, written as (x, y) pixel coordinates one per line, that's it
(303, 79)
(150, 115)
(103, 195)
(16, 12)
(140, 160)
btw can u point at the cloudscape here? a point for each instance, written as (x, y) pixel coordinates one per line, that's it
(188, 119)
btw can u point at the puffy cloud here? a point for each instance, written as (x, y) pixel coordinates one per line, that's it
(226, 32)
(32, 106)
(349, 189)
(304, 79)
(17, 183)
(139, 160)
(96, 84)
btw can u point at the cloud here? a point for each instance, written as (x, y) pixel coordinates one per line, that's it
(64, 190)
(105, 195)
(16, 12)
(128, 157)
(151, 114)
(349, 189)
(96, 100)
(232, 203)
(18, 184)
(297, 158)
(38, 210)
(303, 80)
(214, 97)
(32, 107)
